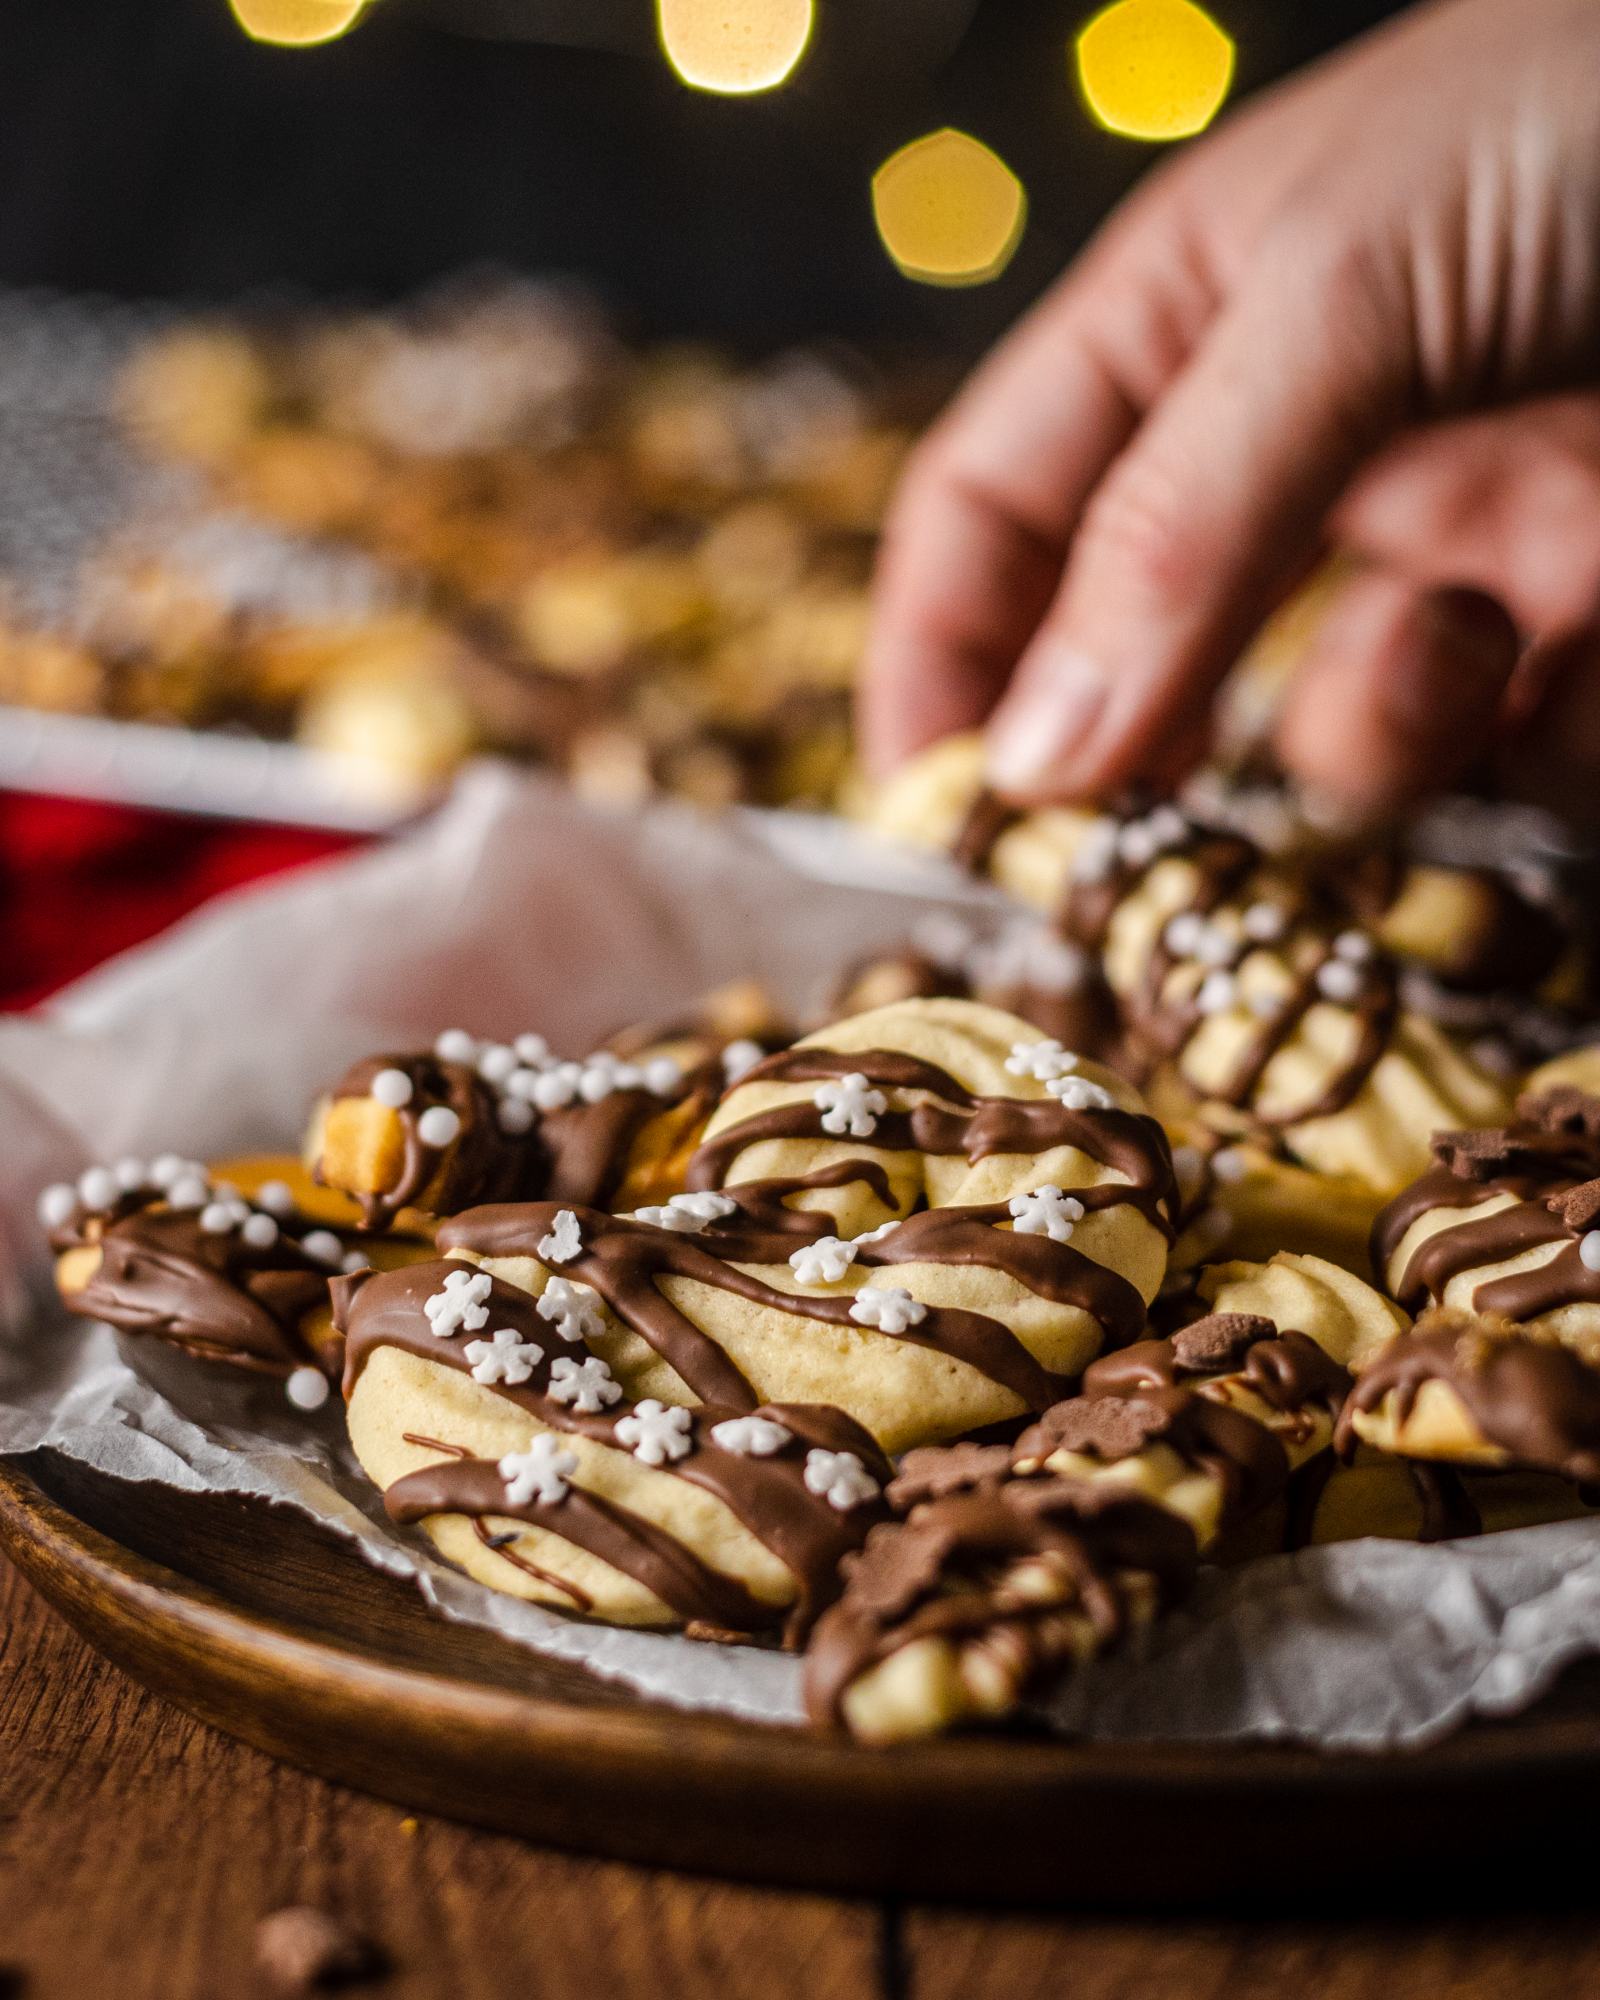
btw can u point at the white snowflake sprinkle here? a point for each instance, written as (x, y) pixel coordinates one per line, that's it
(823, 1262)
(58, 1205)
(276, 1197)
(1265, 1004)
(542, 1472)
(221, 1218)
(1218, 992)
(1096, 857)
(455, 1045)
(1078, 1093)
(689, 1213)
(1183, 933)
(355, 1260)
(750, 1437)
(1046, 1211)
(1589, 1250)
(514, 1116)
(1168, 825)
(663, 1075)
(656, 1432)
(307, 1388)
(190, 1190)
(259, 1231)
(1229, 1164)
(556, 1088)
(323, 1247)
(849, 1104)
(438, 1126)
(1355, 948)
(1265, 923)
(738, 1057)
(98, 1189)
(533, 1050)
(1043, 1060)
(166, 1168)
(392, 1087)
(460, 1305)
(1339, 981)
(840, 1478)
(588, 1385)
(504, 1357)
(1216, 946)
(571, 1309)
(131, 1174)
(496, 1062)
(890, 1308)
(564, 1240)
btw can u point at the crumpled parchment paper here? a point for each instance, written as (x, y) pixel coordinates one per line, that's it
(517, 908)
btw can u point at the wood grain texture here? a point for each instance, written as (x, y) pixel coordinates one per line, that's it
(256, 1621)
(136, 1841)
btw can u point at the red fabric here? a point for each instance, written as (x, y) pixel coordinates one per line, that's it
(80, 881)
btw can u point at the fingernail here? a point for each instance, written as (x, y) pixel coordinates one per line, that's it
(1037, 730)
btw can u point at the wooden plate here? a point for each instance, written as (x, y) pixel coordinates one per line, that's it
(273, 1631)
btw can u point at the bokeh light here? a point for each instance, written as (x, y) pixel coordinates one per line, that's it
(296, 24)
(734, 47)
(1154, 69)
(949, 210)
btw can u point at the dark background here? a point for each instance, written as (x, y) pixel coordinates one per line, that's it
(148, 148)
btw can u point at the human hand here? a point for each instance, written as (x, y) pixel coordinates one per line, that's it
(1339, 317)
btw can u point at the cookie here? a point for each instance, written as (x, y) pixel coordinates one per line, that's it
(473, 1121)
(1009, 1565)
(500, 1431)
(927, 1215)
(229, 1264)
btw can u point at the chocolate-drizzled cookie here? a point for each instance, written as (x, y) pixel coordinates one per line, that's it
(472, 1122)
(801, 1263)
(162, 1248)
(528, 1464)
(1002, 1570)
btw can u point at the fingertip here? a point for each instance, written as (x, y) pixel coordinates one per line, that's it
(1398, 692)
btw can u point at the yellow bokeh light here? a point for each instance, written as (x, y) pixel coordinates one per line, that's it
(950, 211)
(1154, 69)
(296, 24)
(734, 46)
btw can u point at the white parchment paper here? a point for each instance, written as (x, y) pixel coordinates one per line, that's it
(516, 908)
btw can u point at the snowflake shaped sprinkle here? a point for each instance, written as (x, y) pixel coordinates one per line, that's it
(655, 1432)
(504, 1357)
(542, 1472)
(1340, 981)
(323, 1247)
(750, 1437)
(1265, 923)
(460, 1306)
(1589, 1250)
(890, 1308)
(455, 1045)
(1355, 948)
(840, 1478)
(1218, 992)
(1044, 1061)
(1078, 1093)
(1046, 1211)
(1096, 857)
(99, 1190)
(439, 1127)
(564, 1241)
(689, 1213)
(823, 1262)
(587, 1385)
(307, 1388)
(392, 1087)
(738, 1057)
(58, 1205)
(1183, 933)
(1216, 946)
(571, 1310)
(850, 1105)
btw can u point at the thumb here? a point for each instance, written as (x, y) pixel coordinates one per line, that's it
(1196, 526)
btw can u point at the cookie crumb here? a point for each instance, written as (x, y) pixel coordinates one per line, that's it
(302, 1950)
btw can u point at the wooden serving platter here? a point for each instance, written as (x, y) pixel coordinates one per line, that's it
(268, 1628)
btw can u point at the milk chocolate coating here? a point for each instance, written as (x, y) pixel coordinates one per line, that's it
(767, 1494)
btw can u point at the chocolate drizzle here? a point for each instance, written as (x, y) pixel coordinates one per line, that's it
(579, 1153)
(1533, 1398)
(208, 1293)
(767, 1494)
(943, 1573)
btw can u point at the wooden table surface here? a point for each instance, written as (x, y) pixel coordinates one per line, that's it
(139, 1849)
